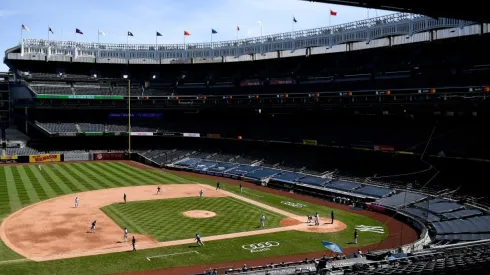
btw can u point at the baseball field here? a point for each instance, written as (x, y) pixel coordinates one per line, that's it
(43, 233)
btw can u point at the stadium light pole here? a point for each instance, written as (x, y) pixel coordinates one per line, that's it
(129, 118)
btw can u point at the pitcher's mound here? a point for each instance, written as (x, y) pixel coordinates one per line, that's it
(199, 214)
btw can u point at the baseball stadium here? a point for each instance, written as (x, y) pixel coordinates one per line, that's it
(356, 148)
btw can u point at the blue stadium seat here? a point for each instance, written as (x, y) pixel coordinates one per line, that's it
(343, 185)
(400, 199)
(440, 205)
(288, 177)
(374, 191)
(313, 180)
(262, 173)
(242, 170)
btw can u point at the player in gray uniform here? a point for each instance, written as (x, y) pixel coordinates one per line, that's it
(77, 201)
(201, 193)
(198, 239)
(92, 228)
(317, 219)
(262, 221)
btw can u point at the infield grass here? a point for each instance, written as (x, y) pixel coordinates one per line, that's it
(160, 218)
(24, 185)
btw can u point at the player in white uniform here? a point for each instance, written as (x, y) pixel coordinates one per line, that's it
(317, 219)
(201, 193)
(39, 167)
(262, 221)
(125, 234)
(77, 201)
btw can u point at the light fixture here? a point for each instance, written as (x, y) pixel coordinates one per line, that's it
(125, 76)
(95, 75)
(154, 76)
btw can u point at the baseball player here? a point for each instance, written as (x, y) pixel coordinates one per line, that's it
(356, 236)
(125, 234)
(262, 221)
(158, 190)
(241, 188)
(133, 242)
(198, 239)
(217, 186)
(310, 219)
(317, 219)
(92, 228)
(124, 197)
(39, 167)
(201, 193)
(332, 215)
(77, 201)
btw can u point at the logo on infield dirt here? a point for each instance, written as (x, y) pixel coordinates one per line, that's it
(293, 204)
(374, 229)
(260, 247)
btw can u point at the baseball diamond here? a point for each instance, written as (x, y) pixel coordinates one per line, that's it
(155, 220)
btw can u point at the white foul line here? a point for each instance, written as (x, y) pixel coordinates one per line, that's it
(173, 254)
(14, 261)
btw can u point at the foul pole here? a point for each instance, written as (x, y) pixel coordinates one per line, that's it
(129, 118)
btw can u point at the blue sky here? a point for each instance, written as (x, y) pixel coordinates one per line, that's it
(170, 17)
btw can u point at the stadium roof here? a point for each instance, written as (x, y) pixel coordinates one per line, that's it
(475, 10)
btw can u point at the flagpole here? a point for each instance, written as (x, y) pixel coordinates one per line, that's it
(98, 36)
(21, 34)
(156, 41)
(330, 19)
(48, 33)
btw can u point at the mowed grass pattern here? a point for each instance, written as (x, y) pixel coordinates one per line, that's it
(161, 218)
(23, 185)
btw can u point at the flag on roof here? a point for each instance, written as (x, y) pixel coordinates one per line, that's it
(213, 31)
(186, 33)
(50, 30)
(130, 34)
(159, 34)
(25, 28)
(294, 20)
(78, 31)
(237, 28)
(101, 33)
(333, 13)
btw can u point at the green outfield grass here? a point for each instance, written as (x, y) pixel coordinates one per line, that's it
(23, 185)
(160, 218)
